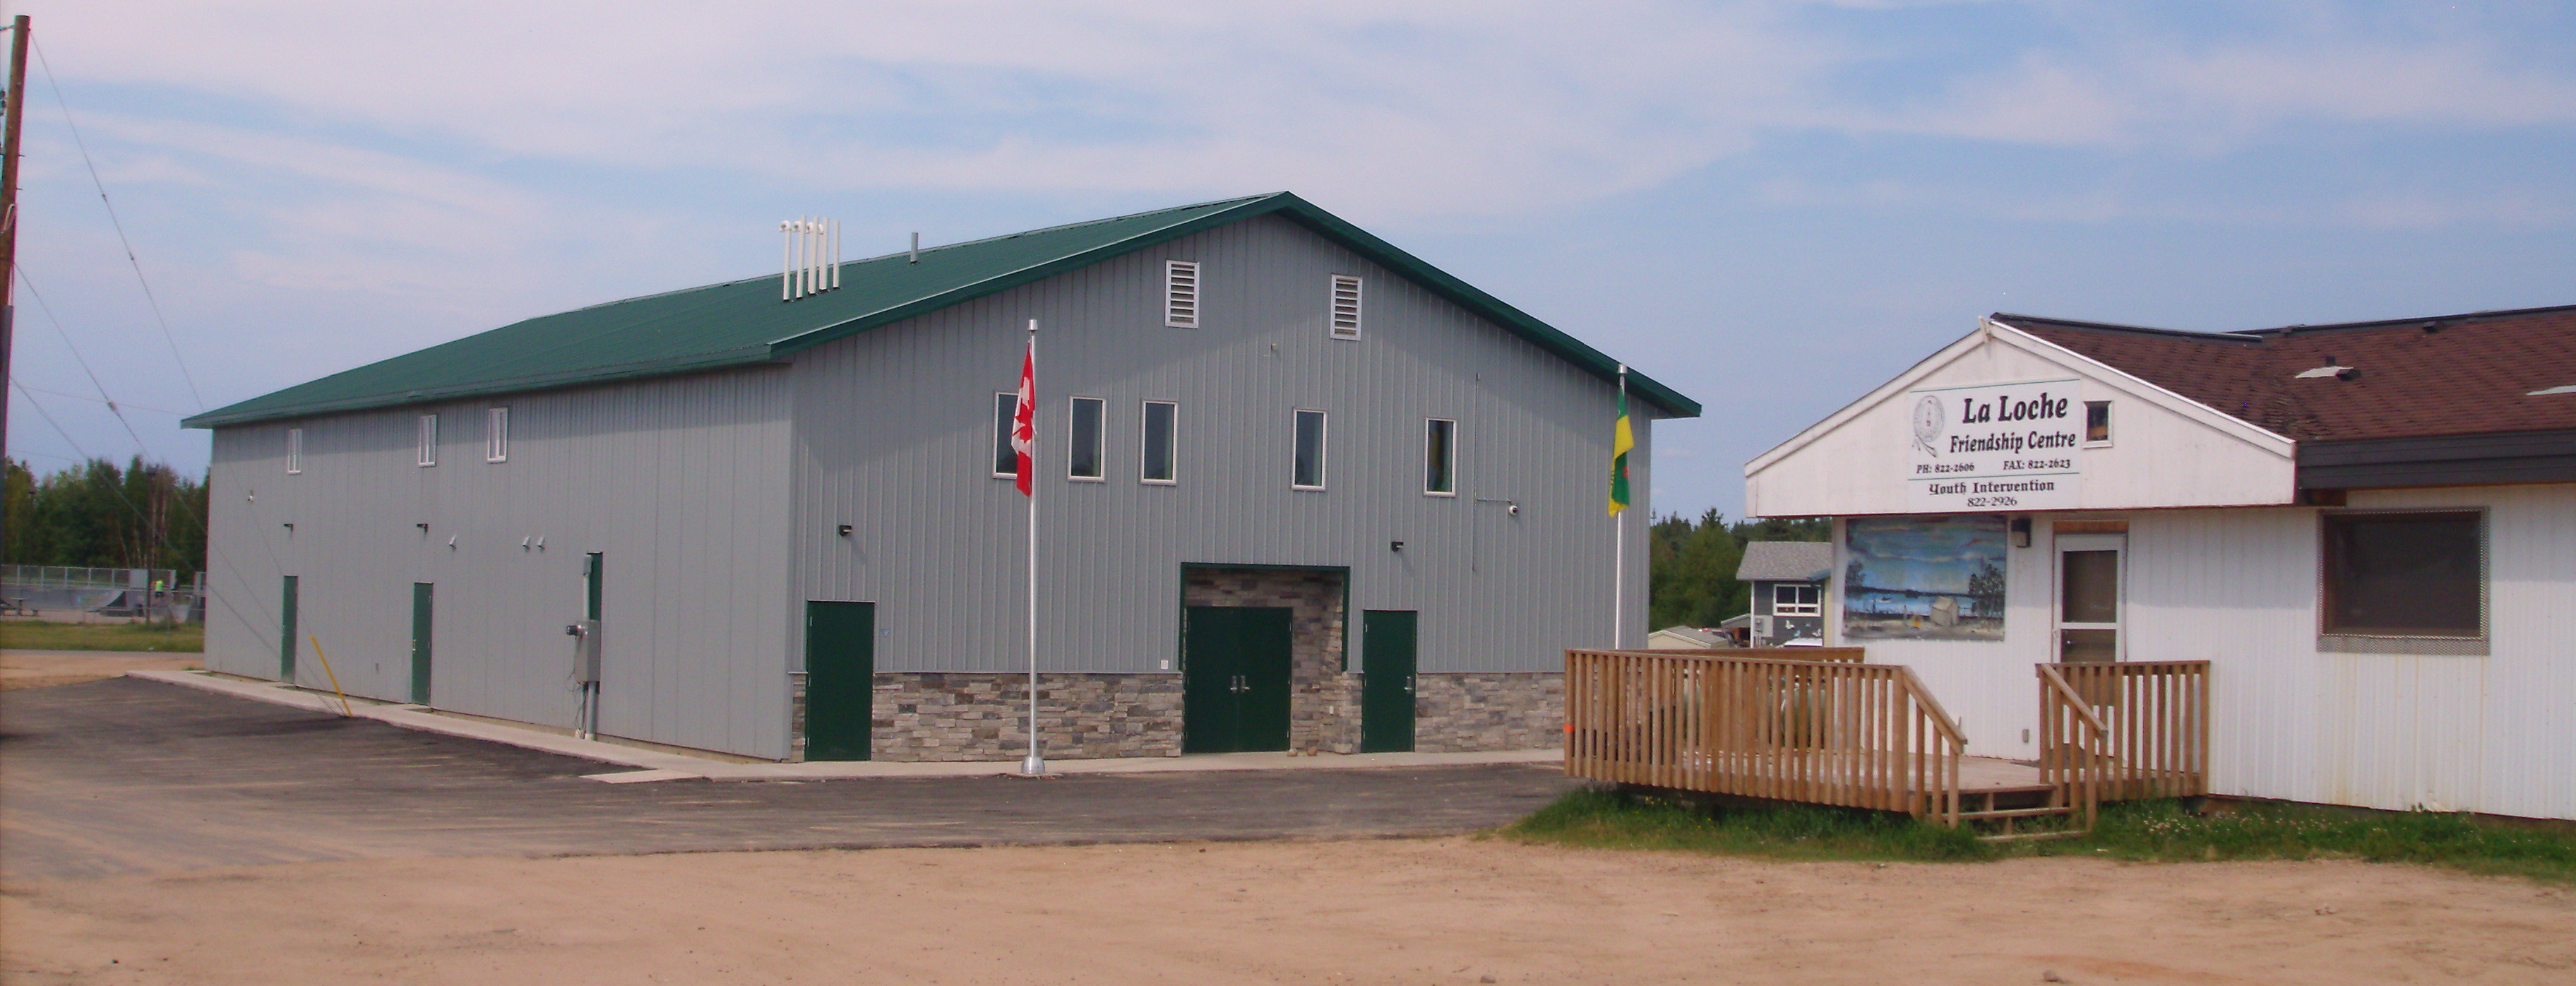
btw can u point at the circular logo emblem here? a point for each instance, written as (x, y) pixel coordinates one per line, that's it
(1928, 421)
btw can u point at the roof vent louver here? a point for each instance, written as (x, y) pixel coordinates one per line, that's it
(2328, 370)
(1346, 307)
(1181, 294)
(812, 258)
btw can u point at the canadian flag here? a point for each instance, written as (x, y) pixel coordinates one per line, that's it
(1024, 423)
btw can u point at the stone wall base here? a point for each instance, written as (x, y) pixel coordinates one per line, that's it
(924, 716)
(1475, 712)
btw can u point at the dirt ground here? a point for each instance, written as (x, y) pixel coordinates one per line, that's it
(1457, 910)
(45, 668)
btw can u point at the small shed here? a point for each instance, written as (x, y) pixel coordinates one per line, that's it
(1686, 638)
(1788, 580)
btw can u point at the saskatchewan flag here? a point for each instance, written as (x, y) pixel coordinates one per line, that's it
(1621, 440)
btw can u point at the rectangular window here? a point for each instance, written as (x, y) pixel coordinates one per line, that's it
(1789, 599)
(1346, 307)
(1162, 440)
(294, 451)
(1082, 451)
(1309, 466)
(429, 439)
(1181, 294)
(1440, 449)
(2097, 422)
(1006, 460)
(2405, 574)
(496, 434)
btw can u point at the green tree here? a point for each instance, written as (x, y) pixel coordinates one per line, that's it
(95, 514)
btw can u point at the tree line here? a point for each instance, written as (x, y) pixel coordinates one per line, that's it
(1691, 568)
(97, 515)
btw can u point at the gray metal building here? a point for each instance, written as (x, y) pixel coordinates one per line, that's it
(787, 519)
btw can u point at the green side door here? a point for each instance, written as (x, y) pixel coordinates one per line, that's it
(840, 679)
(286, 632)
(1386, 683)
(420, 598)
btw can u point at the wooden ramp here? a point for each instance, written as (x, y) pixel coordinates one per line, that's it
(1819, 725)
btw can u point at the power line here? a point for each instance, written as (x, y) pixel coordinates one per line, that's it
(103, 396)
(112, 220)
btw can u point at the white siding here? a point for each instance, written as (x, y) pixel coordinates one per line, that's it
(2239, 588)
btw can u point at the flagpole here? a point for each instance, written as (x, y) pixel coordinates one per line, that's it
(1619, 544)
(1035, 764)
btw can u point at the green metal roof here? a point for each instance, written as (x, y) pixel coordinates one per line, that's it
(740, 323)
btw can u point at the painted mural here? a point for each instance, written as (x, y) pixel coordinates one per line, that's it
(1924, 578)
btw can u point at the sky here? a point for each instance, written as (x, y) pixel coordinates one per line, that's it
(1771, 206)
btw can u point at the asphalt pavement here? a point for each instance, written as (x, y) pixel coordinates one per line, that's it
(132, 776)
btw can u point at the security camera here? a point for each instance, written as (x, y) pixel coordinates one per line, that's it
(1514, 510)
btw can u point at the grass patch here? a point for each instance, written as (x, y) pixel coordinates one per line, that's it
(2160, 831)
(180, 638)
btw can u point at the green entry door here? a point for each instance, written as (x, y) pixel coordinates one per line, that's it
(1386, 687)
(286, 633)
(840, 679)
(1234, 679)
(420, 596)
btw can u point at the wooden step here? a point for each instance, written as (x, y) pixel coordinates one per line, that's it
(2021, 836)
(2015, 813)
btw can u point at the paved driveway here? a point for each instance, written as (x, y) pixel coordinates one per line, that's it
(130, 776)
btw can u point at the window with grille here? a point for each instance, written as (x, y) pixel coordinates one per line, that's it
(1346, 307)
(1788, 599)
(294, 450)
(1181, 294)
(429, 439)
(496, 435)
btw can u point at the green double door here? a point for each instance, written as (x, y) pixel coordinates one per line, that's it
(840, 679)
(1234, 679)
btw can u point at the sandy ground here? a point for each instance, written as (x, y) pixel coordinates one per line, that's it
(1385, 911)
(42, 668)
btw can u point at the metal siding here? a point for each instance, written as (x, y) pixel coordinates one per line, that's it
(680, 482)
(893, 434)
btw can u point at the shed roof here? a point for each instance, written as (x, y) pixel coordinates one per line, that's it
(1785, 561)
(739, 323)
(2476, 373)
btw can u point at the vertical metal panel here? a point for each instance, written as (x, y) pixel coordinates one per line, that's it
(681, 483)
(893, 438)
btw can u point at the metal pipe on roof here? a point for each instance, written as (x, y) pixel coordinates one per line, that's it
(916, 249)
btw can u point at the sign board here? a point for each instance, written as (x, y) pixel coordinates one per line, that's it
(1996, 446)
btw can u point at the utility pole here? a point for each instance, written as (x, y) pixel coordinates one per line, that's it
(16, 115)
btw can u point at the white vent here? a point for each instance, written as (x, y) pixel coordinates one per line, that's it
(1181, 294)
(813, 257)
(1346, 307)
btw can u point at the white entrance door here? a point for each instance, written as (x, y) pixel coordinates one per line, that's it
(2090, 597)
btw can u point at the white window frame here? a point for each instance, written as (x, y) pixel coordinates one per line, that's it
(1333, 322)
(1099, 438)
(1145, 448)
(496, 434)
(1181, 294)
(2110, 425)
(1323, 449)
(1003, 424)
(1449, 468)
(428, 441)
(1779, 608)
(294, 451)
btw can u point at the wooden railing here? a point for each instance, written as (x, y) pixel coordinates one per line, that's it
(2150, 723)
(1813, 728)
(2072, 745)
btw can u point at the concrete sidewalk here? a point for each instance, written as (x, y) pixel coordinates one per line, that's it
(657, 765)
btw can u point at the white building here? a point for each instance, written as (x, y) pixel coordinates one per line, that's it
(2368, 529)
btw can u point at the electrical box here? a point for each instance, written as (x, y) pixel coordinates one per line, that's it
(585, 661)
(1761, 629)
